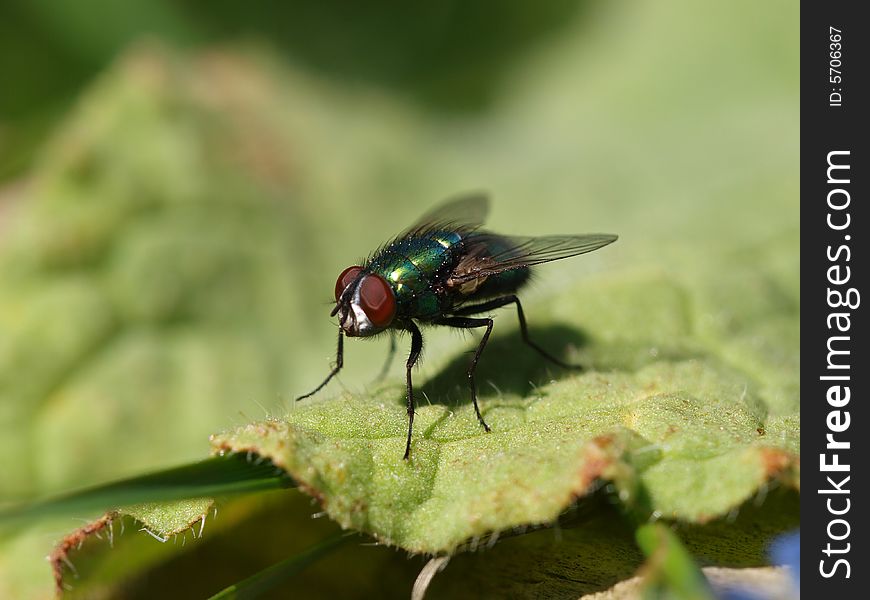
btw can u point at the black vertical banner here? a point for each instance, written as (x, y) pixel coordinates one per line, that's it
(835, 169)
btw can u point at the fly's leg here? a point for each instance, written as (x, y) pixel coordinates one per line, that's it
(416, 348)
(505, 300)
(339, 362)
(468, 323)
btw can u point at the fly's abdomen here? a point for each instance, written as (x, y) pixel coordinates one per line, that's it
(476, 278)
(414, 267)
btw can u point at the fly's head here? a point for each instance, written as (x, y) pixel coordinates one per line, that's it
(364, 302)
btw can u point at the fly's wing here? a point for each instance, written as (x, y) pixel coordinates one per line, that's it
(488, 254)
(462, 213)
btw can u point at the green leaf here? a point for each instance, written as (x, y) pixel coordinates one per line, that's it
(681, 432)
(683, 437)
(242, 536)
(164, 519)
(161, 521)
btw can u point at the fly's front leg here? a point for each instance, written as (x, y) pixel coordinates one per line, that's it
(339, 362)
(416, 348)
(468, 323)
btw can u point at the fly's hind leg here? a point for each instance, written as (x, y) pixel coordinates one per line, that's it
(468, 323)
(524, 331)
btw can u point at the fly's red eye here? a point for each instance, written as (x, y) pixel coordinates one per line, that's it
(345, 279)
(377, 300)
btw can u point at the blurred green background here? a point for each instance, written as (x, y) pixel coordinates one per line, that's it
(451, 57)
(181, 182)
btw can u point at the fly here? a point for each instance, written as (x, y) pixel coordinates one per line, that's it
(444, 270)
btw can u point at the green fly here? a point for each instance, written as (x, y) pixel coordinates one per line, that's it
(443, 270)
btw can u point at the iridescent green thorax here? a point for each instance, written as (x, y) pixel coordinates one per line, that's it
(414, 266)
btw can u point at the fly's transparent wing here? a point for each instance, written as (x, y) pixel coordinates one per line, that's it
(466, 212)
(489, 254)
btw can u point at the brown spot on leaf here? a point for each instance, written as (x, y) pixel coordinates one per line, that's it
(59, 558)
(314, 493)
(776, 461)
(596, 457)
(651, 387)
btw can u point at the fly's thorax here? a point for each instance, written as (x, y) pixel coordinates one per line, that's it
(415, 268)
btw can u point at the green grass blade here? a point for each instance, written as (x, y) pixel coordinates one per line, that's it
(220, 475)
(670, 570)
(271, 577)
